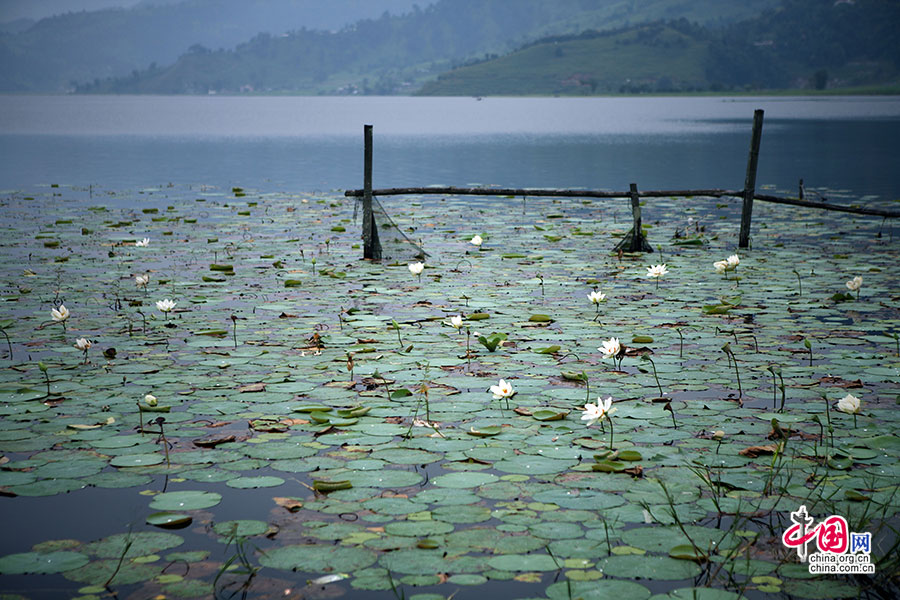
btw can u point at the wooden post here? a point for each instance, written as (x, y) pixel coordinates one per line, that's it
(637, 234)
(800, 189)
(635, 240)
(371, 244)
(750, 179)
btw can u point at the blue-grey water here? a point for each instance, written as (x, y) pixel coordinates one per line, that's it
(303, 144)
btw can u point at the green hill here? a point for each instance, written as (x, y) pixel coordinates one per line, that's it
(397, 54)
(653, 57)
(812, 44)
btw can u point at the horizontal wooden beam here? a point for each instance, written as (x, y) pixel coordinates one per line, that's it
(857, 210)
(534, 193)
(558, 193)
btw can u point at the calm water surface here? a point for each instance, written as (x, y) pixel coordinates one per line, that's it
(315, 144)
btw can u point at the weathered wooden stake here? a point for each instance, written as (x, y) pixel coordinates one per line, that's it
(371, 244)
(637, 233)
(750, 179)
(800, 191)
(635, 240)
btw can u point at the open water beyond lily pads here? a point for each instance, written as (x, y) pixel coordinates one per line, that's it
(837, 145)
(315, 415)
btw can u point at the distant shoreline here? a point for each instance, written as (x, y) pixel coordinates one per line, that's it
(885, 90)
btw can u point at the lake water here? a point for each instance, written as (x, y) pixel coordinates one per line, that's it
(845, 147)
(315, 144)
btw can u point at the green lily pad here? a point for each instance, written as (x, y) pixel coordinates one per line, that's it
(316, 558)
(241, 528)
(549, 415)
(42, 563)
(246, 483)
(187, 500)
(137, 460)
(464, 479)
(132, 545)
(598, 590)
(523, 562)
(169, 520)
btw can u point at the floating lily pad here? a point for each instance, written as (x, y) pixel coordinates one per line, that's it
(42, 563)
(598, 590)
(137, 460)
(169, 520)
(240, 528)
(464, 480)
(187, 500)
(131, 545)
(317, 558)
(254, 482)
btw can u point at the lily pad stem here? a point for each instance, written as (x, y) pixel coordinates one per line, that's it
(771, 370)
(731, 357)
(162, 436)
(828, 418)
(655, 376)
(121, 559)
(46, 377)
(9, 344)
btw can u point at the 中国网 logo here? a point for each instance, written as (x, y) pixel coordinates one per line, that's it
(837, 549)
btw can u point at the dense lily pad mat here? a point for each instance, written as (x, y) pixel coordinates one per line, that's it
(318, 418)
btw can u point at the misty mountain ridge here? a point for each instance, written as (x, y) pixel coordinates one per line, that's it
(56, 53)
(397, 54)
(454, 47)
(801, 44)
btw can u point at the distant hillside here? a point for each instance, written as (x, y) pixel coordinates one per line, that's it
(16, 25)
(651, 57)
(801, 44)
(54, 53)
(397, 54)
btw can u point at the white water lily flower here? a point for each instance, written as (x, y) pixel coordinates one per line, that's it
(142, 243)
(610, 348)
(854, 284)
(733, 261)
(593, 413)
(849, 404)
(596, 297)
(606, 406)
(150, 400)
(83, 344)
(59, 314)
(476, 240)
(141, 280)
(165, 305)
(326, 579)
(416, 268)
(502, 390)
(657, 271)
(456, 321)
(721, 266)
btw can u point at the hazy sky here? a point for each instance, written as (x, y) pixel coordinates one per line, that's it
(38, 9)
